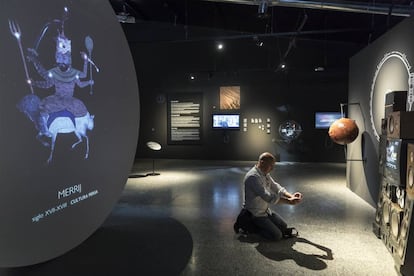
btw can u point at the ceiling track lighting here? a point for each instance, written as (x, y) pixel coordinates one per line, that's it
(124, 16)
(404, 10)
(259, 42)
(262, 9)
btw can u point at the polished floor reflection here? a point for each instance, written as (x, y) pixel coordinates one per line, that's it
(180, 222)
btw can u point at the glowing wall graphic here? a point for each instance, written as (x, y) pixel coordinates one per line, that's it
(392, 74)
(69, 121)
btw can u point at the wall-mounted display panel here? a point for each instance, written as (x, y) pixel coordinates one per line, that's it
(184, 122)
(226, 121)
(323, 120)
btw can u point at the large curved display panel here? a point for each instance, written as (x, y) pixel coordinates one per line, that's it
(69, 119)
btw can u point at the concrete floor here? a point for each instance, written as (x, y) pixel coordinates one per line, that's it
(181, 223)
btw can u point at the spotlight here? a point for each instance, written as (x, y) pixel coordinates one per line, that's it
(192, 77)
(220, 46)
(259, 43)
(281, 67)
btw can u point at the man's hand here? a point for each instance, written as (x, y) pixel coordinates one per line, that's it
(297, 195)
(293, 199)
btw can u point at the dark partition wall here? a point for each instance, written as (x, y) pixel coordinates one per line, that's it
(379, 69)
(381, 85)
(69, 124)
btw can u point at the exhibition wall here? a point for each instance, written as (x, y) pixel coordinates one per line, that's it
(382, 67)
(381, 88)
(269, 95)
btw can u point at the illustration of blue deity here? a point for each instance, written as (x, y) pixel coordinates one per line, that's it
(60, 112)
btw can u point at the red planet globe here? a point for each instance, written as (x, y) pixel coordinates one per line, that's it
(343, 131)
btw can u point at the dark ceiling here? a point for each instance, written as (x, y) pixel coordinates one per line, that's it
(356, 21)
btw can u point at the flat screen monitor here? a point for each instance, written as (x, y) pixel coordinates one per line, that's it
(395, 161)
(226, 121)
(323, 120)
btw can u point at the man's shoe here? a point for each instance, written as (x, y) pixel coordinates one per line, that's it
(236, 228)
(291, 233)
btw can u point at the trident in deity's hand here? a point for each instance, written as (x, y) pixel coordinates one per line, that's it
(16, 32)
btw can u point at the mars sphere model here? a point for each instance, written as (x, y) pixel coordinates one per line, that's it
(343, 131)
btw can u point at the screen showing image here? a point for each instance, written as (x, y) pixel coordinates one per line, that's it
(392, 160)
(323, 120)
(392, 154)
(395, 161)
(226, 121)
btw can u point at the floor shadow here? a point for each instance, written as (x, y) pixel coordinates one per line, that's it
(145, 246)
(136, 175)
(283, 250)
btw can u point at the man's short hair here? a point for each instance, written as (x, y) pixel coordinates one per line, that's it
(267, 157)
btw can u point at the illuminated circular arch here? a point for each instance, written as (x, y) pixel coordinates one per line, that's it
(394, 54)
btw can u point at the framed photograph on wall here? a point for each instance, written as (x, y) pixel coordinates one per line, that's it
(229, 97)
